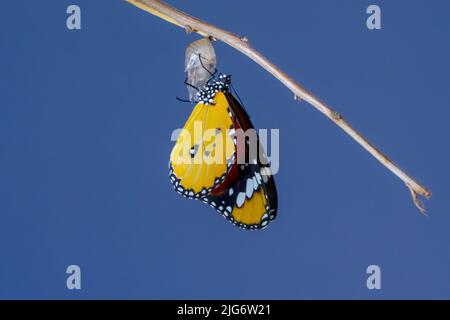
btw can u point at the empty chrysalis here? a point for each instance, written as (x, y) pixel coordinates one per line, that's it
(200, 64)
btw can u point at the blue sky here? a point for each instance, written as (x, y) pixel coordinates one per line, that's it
(85, 124)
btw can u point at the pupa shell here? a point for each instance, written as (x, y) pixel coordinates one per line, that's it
(198, 72)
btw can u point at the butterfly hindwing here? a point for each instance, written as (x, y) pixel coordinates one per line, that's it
(245, 202)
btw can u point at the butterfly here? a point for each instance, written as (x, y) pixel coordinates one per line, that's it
(219, 160)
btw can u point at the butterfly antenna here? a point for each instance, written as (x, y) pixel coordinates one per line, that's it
(190, 85)
(183, 100)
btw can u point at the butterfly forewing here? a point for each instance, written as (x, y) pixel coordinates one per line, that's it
(204, 151)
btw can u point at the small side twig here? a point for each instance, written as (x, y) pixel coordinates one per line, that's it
(191, 24)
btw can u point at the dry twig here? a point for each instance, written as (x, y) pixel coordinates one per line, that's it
(191, 24)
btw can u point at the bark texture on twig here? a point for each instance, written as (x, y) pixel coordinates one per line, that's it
(191, 24)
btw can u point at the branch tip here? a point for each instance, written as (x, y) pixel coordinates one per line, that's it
(417, 201)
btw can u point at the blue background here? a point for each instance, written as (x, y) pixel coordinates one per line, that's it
(85, 124)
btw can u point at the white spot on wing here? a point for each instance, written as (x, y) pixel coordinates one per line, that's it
(240, 199)
(258, 177)
(249, 188)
